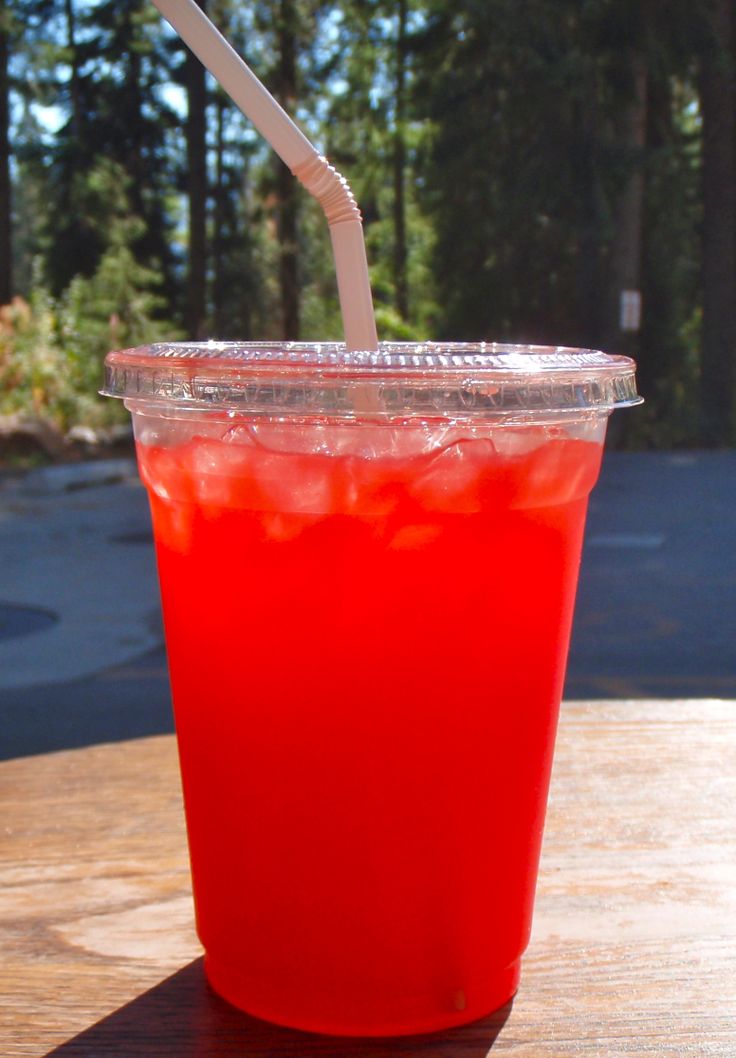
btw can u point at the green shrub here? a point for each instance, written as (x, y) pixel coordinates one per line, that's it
(52, 350)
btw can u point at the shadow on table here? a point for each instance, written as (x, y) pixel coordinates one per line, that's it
(183, 1018)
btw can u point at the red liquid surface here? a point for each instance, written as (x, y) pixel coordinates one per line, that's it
(367, 657)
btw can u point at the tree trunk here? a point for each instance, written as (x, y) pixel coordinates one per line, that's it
(622, 328)
(6, 226)
(286, 185)
(134, 160)
(287, 233)
(74, 88)
(718, 354)
(589, 278)
(218, 219)
(196, 131)
(661, 350)
(401, 284)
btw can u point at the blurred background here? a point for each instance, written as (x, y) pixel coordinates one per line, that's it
(554, 171)
(558, 171)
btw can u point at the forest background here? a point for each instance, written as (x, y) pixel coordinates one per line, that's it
(554, 171)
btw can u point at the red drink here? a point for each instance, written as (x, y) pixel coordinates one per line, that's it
(367, 658)
(368, 563)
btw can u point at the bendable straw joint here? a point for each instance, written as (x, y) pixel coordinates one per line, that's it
(329, 187)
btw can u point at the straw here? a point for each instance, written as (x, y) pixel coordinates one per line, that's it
(312, 170)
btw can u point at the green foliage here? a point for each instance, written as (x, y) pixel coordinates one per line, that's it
(52, 345)
(116, 307)
(503, 123)
(52, 349)
(668, 360)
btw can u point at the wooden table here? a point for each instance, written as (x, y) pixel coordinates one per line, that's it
(634, 946)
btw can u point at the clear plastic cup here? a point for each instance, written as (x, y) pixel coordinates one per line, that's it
(368, 566)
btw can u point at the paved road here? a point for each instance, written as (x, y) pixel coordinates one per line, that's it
(656, 611)
(81, 659)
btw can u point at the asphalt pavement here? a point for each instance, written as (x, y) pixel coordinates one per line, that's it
(81, 644)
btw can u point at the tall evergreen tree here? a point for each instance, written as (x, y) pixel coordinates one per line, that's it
(108, 62)
(243, 244)
(285, 84)
(375, 136)
(718, 101)
(517, 166)
(503, 85)
(6, 226)
(401, 279)
(629, 129)
(197, 192)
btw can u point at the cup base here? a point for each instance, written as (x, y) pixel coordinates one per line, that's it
(496, 991)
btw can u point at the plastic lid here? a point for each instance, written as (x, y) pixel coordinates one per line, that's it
(402, 380)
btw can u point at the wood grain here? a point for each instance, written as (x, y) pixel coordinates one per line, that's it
(634, 946)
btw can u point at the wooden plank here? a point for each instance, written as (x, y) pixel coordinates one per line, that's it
(95, 899)
(634, 946)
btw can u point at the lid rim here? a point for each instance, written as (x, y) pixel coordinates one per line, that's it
(452, 356)
(450, 378)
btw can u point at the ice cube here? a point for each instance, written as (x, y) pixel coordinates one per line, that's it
(363, 440)
(282, 527)
(452, 480)
(173, 524)
(164, 473)
(414, 537)
(518, 440)
(221, 472)
(296, 483)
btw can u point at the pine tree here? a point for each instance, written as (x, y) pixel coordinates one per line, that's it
(286, 88)
(718, 101)
(197, 193)
(6, 247)
(110, 61)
